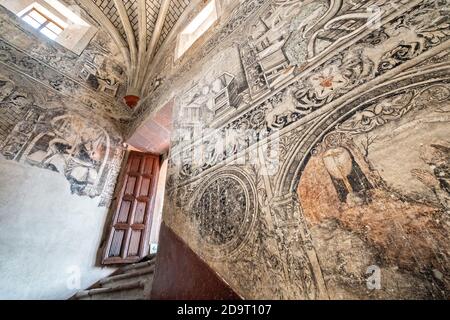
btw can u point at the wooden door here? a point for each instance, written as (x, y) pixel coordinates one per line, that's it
(130, 230)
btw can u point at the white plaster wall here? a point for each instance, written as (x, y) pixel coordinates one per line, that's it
(46, 234)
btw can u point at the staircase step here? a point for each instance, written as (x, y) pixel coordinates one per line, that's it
(134, 273)
(132, 294)
(138, 265)
(98, 291)
(129, 282)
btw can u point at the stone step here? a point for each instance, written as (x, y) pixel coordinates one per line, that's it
(129, 282)
(137, 265)
(92, 293)
(131, 294)
(132, 273)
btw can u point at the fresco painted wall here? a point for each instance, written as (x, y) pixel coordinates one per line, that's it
(96, 77)
(60, 154)
(310, 156)
(40, 130)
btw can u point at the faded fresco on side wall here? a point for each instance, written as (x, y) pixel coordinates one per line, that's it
(96, 77)
(39, 128)
(376, 192)
(60, 111)
(311, 160)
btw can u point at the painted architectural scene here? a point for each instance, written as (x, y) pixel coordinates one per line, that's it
(225, 149)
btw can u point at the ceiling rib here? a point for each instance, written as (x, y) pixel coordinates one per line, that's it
(138, 27)
(131, 39)
(157, 30)
(152, 8)
(101, 18)
(142, 29)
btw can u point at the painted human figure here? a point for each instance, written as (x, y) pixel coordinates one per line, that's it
(73, 149)
(350, 182)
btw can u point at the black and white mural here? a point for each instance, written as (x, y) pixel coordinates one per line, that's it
(310, 151)
(96, 77)
(52, 113)
(40, 130)
(310, 156)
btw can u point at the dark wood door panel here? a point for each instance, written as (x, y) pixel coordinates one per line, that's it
(129, 234)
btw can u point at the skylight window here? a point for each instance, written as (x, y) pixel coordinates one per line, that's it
(43, 23)
(55, 20)
(197, 27)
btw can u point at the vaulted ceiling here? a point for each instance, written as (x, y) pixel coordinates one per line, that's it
(139, 28)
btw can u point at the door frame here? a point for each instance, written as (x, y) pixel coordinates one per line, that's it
(119, 195)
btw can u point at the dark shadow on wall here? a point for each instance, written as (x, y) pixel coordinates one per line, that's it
(180, 274)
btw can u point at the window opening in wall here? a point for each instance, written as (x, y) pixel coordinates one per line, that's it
(43, 23)
(56, 20)
(197, 27)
